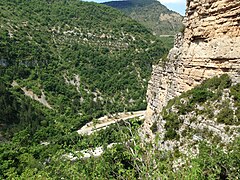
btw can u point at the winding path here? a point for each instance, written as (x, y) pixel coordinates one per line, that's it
(105, 121)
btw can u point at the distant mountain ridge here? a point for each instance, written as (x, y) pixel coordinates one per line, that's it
(152, 14)
(129, 3)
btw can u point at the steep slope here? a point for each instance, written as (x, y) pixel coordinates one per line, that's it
(209, 112)
(82, 56)
(200, 129)
(152, 14)
(64, 63)
(208, 47)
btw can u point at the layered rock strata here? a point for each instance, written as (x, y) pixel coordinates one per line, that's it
(209, 46)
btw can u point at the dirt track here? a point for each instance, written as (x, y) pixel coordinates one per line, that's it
(105, 121)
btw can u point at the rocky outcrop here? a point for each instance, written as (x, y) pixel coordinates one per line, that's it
(208, 47)
(32, 95)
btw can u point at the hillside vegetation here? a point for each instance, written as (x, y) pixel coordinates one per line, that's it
(64, 63)
(85, 58)
(210, 111)
(28, 156)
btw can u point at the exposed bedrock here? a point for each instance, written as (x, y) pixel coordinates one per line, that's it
(209, 46)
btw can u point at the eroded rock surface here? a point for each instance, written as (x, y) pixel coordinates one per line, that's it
(209, 46)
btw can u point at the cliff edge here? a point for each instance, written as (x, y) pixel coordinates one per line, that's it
(208, 47)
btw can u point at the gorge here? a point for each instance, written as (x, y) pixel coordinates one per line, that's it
(73, 85)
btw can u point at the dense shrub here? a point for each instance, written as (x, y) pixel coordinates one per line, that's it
(154, 127)
(235, 92)
(172, 125)
(225, 116)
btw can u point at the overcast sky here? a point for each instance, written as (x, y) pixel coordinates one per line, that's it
(175, 5)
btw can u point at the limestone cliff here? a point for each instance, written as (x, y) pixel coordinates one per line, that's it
(209, 46)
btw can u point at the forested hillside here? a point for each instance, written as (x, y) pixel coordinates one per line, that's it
(84, 58)
(64, 63)
(152, 14)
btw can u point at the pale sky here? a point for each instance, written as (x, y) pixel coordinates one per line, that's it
(175, 5)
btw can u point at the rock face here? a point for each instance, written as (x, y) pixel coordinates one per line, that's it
(209, 46)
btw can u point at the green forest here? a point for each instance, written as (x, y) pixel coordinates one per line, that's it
(64, 63)
(87, 59)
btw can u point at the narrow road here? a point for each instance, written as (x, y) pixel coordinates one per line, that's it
(166, 35)
(105, 121)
